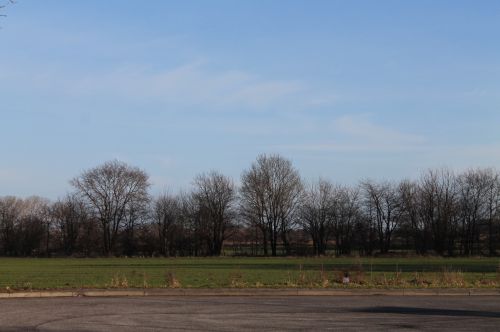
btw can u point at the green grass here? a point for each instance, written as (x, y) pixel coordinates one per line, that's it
(71, 273)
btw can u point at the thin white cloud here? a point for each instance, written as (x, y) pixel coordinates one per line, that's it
(263, 93)
(346, 147)
(193, 84)
(324, 100)
(356, 133)
(360, 128)
(468, 155)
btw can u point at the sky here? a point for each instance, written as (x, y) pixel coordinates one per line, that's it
(347, 90)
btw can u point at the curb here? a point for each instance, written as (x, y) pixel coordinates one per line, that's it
(251, 292)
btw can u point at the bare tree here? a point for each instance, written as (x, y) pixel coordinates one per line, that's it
(472, 190)
(69, 215)
(411, 204)
(193, 226)
(253, 205)
(215, 195)
(35, 226)
(3, 5)
(492, 208)
(270, 194)
(316, 214)
(112, 191)
(166, 211)
(346, 213)
(10, 214)
(383, 206)
(136, 215)
(438, 194)
(24, 225)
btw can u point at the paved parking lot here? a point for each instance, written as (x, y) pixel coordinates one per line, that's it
(355, 313)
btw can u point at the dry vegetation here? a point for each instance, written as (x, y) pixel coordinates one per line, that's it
(30, 274)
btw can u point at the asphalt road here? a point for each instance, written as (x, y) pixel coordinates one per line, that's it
(343, 313)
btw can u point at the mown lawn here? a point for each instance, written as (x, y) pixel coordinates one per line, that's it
(71, 273)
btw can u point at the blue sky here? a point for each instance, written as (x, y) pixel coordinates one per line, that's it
(346, 89)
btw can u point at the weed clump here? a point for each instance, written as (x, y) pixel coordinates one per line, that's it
(325, 282)
(290, 281)
(171, 281)
(420, 281)
(118, 281)
(452, 278)
(236, 279)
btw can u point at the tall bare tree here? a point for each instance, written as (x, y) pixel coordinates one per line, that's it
(166, 212)
(136, 215)
(69, 215)
(346, 213)
(317, 213)
(215, 195)
(412, 212)
(112, 191)
(472, 190)
(270, 195)
(439, 208)
(492, 209)
(10, 215)
(383, 204)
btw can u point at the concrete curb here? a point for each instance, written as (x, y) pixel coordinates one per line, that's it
(34, 294)
(250, 292)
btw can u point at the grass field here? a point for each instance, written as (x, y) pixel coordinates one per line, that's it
(71, 273)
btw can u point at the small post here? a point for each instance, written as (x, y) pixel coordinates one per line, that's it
(346, 279)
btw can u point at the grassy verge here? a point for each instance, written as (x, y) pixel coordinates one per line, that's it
(72, 273)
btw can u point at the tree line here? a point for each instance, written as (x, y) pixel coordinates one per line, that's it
(110, 212)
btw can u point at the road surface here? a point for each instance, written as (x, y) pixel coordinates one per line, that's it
(179, 313)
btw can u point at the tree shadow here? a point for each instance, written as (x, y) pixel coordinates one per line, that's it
(429, 312)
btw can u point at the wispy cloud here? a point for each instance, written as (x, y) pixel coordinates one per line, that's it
(325, 99)
(357, 133)
(192, 84)
(360, 128)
